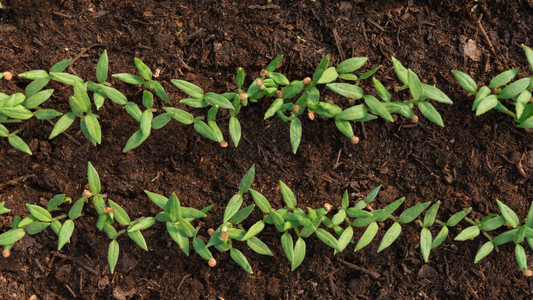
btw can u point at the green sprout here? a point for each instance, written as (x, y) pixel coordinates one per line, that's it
(501, 94)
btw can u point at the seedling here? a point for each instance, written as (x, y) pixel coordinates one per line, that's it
(501, 94)
(146, 79)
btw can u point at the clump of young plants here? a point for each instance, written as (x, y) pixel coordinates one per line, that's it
(513, 98)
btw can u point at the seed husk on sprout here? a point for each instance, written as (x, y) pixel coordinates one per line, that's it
(307, 80)
(223, 144)
(7, 75)
(414, 119)
(6, 253)
(311, 115)
(279, 94)
(210, 231)
(259, 82)
(108, 210)
(355, 139)
(86, 194)
(296, 108)
(212, 262)
(263, 73)
(243, 96)
(328, 207)
(527, 272)
(224, 235)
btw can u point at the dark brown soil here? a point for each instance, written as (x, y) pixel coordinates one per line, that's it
(470, 162)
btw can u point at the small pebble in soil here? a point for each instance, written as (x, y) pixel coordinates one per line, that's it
(427, 271)
(307, 80)
(212, 262)
(7, 75)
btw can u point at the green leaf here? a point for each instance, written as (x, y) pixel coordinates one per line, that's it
(138, 238)
(258, 246)
(94, 179)
(233, 207)
(161, 120)
(146, 122)
(382, 91)
(440, 238)
(216, 130)
(288, 195)
(241, 260)
(36, 227)
(278, 78)
(351, 64)
(160, 91)
(389, 209)
(329, 75)
(143, 69)
(465, 81)
(36, 85)
(218, 100)
(425, 243)
(485, 250)
(521, 258)
(345, 238)
(489, 224)
(327, 238)
(247, 180)
(46, 114)
(143, 224)
(62, 124)
(16, 112)
(129, 78)
(93, 127)
(134, 141)
(19, 144)
(114, 94)
(322, 66)
(468, 233)
(295, 134)
(486, 104)
(39, 213)
(76, 209)
(369, 73)
(254, 230)
(12, 236)
(274, 108)
(180, 115)
(299, 254)
(373, 194)
(521, 102)
(415, 86)
(119, 213)
(98, 99)
(235, 130)
(65, 233)
(434, 93)
(400, 70)
(353, 113)
(377, 107)
(173, 207)
(205, 130)
(430, 112)
(483, 92)
(159, 200)
(112, 255)
(240, 77)
(347, 90)
(102, 67)
(456, 218)
(34, 74)
(345, 127)
(274, 64)
(148, 99)
(242, 214)
(38, 98)
(287, 245)
(431, 214)
(178, 237)
(3, 210)
(514, 89)
(189, 88)
(529, 218)
(503, 78)
(261, 201)
(344, 76)
(390, 236)
(509, 215)
(60, 66)
(201, 249)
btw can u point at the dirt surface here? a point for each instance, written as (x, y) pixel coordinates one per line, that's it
(470, 162)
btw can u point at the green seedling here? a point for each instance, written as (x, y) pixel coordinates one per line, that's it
(108, 214)
(3, 210)
(232, 230)
(146, 79)
(501, 93)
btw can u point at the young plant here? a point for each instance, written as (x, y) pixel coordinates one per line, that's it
(501, 94)
(232, 229)
(107, 216)
(145, 79)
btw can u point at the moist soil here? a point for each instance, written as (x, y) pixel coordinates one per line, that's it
(470, 162)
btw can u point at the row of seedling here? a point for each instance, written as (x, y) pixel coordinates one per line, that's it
(334, 226)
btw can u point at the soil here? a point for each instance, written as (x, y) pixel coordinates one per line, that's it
(469, 163)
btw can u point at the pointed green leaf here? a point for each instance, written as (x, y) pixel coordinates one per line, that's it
(377, 107)
(430, 112)
(258, 246)
(143, 69)
(261, 201)
(233, 207)
(514, 89)
(94, 179)
(431, 214)
(485, 250)
(465, 81)
(247, 180)
(76, 209)
(509, 215)
(18, 143)
(440, 238)
(241, 260)
(425, 243)
(415, 86)
(39, 213)
(12, 236)
(235, 130)
(503, 78)
(201, 249)
(119, 213)
(102, 67)
(62, 124)
(112, 255)
(468, 233)
(38, 98)
(390, 236)
(351, 64)
(456, 218)
(347, 90)
(288, 195)
(65, 233)
(129, 78)
(295, 134)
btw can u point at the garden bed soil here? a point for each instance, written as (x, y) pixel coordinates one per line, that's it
(470, 162)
